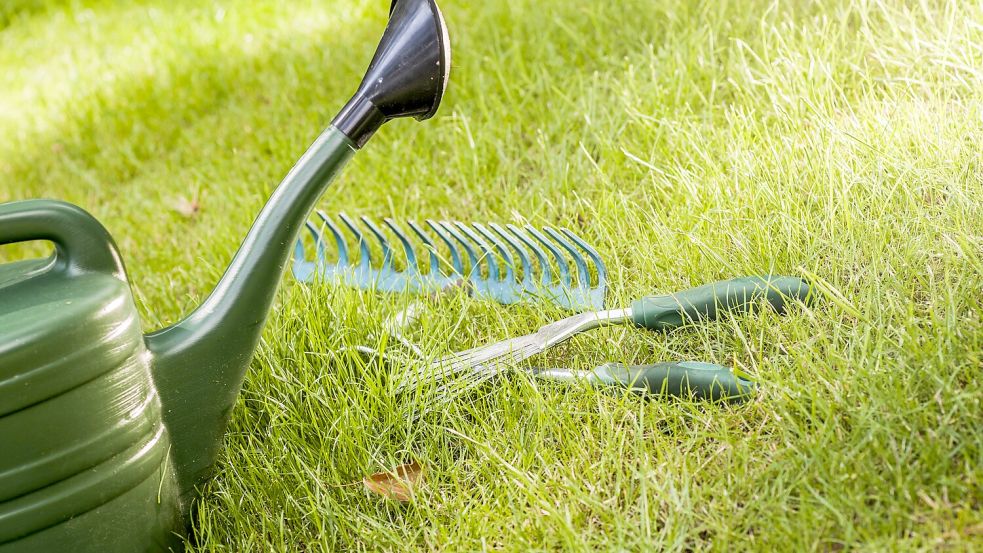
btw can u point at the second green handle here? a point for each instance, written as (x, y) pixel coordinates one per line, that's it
(678, 379)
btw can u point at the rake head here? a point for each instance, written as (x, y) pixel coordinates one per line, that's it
(488, 264)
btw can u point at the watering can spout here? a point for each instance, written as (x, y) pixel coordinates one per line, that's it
(199, 363)
(408, 74)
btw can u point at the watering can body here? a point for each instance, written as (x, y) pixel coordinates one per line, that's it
(106, 433)
(83, 440)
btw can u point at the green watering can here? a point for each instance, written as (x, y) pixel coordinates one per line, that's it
(105, 433)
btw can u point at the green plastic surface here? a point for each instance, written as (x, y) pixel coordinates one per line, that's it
(104, 432)
(710, 300)
(677, 379)
(200, 362)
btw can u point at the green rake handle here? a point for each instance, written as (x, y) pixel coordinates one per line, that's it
(707, 302)
(684, 379)
(678, 379)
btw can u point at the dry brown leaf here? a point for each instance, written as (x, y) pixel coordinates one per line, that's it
(397, 484)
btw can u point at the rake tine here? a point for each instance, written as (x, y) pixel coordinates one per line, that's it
(502, 249)
(303, 269)
(597, 291)
(527, 282)
(412, 278)
(300, 255)
(339, 241)
(583, 277)
(387, 278)
(547, 276)
(387, 252)
(476, 364)
(434, 271)
(486, 253)
(494, 287)
(363, 275)
(411, 266)
(456, 262)
(315, 233)
(506, 290)
(557, 254)
(475, 274)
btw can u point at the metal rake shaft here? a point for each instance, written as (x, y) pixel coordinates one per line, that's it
(507, 264)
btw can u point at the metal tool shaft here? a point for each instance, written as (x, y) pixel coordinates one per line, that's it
(490, 359)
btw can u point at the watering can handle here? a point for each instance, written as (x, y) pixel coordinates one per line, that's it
(81, 242)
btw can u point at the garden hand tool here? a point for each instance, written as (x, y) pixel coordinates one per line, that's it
(679, 379)
(676, 378)
(105, 433)
(488, 265)
(653, 312)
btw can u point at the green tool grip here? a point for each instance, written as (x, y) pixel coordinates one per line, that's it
(678, 379)
(708, 301)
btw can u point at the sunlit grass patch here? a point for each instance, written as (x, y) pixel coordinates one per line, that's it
(688, 141)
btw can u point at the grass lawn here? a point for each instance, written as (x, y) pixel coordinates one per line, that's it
(688, 140)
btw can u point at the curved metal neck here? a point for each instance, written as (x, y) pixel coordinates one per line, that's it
(562, 330)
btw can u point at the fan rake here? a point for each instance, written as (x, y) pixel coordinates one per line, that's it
(487, 267)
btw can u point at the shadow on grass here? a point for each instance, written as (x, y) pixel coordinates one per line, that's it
(123, 152)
